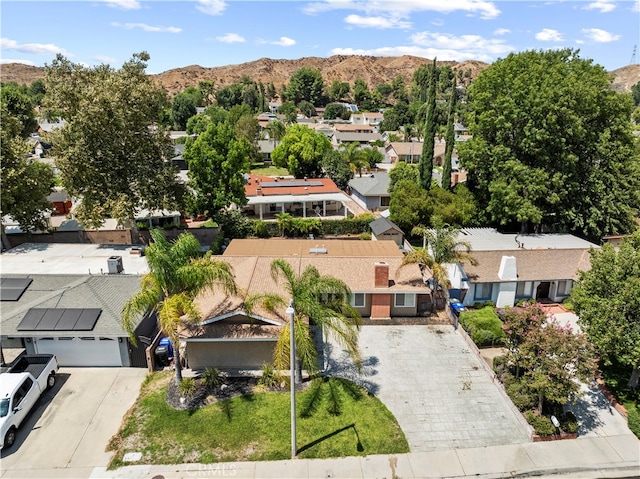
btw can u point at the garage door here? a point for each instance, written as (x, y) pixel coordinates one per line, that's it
(87, 351)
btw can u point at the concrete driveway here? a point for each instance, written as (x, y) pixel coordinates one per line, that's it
(434, 385)
(72, 423)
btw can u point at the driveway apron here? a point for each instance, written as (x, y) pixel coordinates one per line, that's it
(434, 385)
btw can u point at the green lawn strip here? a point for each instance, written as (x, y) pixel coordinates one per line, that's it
(270, 171)
(252, 428)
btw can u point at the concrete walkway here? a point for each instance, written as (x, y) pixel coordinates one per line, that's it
(435, 387)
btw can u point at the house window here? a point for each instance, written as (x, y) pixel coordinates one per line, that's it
(384, 200)
(483, 291)
(326, 298)
(523, 290)
(405, 300)
(564, 287)
(357, 300)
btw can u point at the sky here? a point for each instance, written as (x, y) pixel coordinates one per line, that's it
(213, 33)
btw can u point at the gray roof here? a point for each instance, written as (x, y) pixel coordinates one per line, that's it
(489, 239)
(107, 292)
(347, 136)
(531, 265)
(382, 225)
(375, 184)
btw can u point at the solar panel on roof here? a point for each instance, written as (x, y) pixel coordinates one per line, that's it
(59, 319)
(284, 184)
(11, 289)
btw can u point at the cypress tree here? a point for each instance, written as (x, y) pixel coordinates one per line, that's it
(425, 168)
(449, 138)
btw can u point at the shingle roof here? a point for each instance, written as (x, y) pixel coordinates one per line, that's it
(347, 136)
(532, 265)
(289, 186)
(107, 292)
(382, 225)
(375, 184)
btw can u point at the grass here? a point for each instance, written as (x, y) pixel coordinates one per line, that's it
(270, 171)
(251, 428)
(616, 378)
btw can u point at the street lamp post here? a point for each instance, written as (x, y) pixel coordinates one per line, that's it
(292, 363)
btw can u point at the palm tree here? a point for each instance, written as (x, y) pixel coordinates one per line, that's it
(321, 301)
(353, 155)
(178, 272)
(444, 247)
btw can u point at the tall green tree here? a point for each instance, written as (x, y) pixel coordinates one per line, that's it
(25, 182)
(217, 160)
(306, 83)
(334, 167)
(338, 91)
(301, 151)
(183, 107)
(449, 139)
(178, 272)
(18, 104)
(607, 300)
(551, 144)
(402, 171)
(109, 152)
(550, 359)
(319, 301)
(425, 167)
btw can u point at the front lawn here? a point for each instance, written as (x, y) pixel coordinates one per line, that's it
(255, 427)
(483, 325)
(270, 171)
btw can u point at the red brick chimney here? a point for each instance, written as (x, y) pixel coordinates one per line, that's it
(381, 275)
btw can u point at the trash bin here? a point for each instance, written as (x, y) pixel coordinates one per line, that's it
(164, 352)
(456, 306)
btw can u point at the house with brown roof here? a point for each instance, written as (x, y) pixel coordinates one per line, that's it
(231, 338)
(316, 197)
(513, 267)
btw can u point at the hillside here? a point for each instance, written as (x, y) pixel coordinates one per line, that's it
(373, 70)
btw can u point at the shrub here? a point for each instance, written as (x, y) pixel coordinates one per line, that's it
(188, 387)
(568, 422)
(269, 377)
(633, 420)
(483, 325)
(520, 395)
(260, 229)
(212, 378)
(365, 236)
(541, 424)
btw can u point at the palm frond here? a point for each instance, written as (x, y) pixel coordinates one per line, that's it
(335, 401)
(312, 398)
(140, 303)
(351, 388)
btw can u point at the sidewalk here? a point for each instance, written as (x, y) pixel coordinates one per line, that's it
(594, 457)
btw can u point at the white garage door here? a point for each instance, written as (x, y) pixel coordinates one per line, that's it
(81, 351)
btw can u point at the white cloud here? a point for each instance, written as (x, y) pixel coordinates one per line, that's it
(211, 7)
(146, 28)
(599, 36)
(501, 31)
(231, 38)
(604, 6)
(105, 59)
(636, 6)
(124, 4)
(284, 42)
(485, 9)
(376, 22)
(448, 42)
(36, 48)
(444, 47)
(438, 22)
(549, 35)
(9, 60)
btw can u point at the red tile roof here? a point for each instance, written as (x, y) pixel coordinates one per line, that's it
(289, 186)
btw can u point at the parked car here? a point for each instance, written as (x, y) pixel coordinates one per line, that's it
(20, 388)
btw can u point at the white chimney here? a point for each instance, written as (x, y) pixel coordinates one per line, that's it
(508, 269)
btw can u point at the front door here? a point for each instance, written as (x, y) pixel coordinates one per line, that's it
(542, 291)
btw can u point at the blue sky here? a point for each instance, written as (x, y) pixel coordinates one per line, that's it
(216, 32)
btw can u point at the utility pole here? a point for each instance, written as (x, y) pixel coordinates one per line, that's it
(291, 312)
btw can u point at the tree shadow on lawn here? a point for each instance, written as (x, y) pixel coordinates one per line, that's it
(359, 445)
(340, 365)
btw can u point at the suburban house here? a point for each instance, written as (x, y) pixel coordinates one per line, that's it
(319, 197)
(364, 138)
(370, 190)
(231, 338)
(66, 299)
(411, 151)
(385, 229)
(266, 147)
(513, 267)
(372, 118)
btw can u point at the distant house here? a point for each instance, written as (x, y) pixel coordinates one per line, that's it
(370, 190)
(352, 128)
(364, 138)
(411, 152)
(372, 118)
(385, 229)
(266, 147)
(513, 267)
(316, 197)
(231, 338)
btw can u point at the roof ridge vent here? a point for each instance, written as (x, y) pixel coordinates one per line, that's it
(318, 250)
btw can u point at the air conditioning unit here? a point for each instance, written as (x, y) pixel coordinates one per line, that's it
(114, 265)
